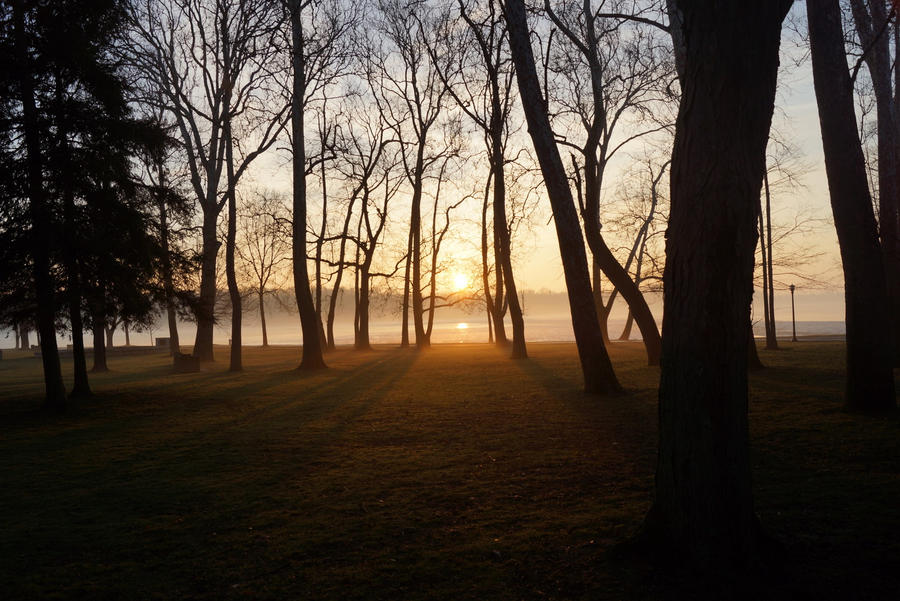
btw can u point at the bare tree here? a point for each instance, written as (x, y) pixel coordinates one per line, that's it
(209, 58)
(368, 165)
(870, 382)
(474, 64)
(318, 52)
(611, 70)
(262, 249)
(873, 26)
(599, 376)
(411, 92)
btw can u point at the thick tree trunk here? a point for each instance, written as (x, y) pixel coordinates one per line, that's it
(870, 382)
(127, 333)
(362, 338)
(110, 332)
(206, 307)
(24, 338)
(312, 347)
(872, 27)
(41, 236)
(99, 343)
(702, 512)
(599, 376)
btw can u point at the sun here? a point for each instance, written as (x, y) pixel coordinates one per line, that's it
(460, 282)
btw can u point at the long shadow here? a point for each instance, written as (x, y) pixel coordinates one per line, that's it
(319, 405)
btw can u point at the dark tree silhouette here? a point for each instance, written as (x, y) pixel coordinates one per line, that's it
(39, 209)
(598, 373)
(870, 382)
(872, 21)
(626, 71)
(702, 511)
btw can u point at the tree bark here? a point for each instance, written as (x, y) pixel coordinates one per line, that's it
(870, 382)
(599, 376)
(41, 236)
(312, 347)
(702, 513)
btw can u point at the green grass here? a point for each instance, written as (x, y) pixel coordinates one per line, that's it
(448, 474)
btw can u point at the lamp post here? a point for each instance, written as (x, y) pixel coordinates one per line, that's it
(793, 315)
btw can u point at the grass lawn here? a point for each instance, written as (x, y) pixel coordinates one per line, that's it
(454, 473)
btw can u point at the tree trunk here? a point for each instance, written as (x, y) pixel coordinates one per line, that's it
(626, 331)
(871, 26)
(404, 317)
(110, 332)
(597, 290)
(702, 512)
(772, 339)
(312, 347)
(362, 339)
(206, 307)
(485, 271)
(753, 361)
(319, 244)
(235, 363)
(415, 227)
(336, 291)
(80, 387)
(168, 285)
(41, 236)
(24, 339)
(519, 350)
(765, 279)
(127, 334)
(870, 382)
(262, 318)
(599, 376)
(99, 343)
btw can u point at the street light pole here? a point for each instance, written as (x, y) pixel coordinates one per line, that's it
(793, 315)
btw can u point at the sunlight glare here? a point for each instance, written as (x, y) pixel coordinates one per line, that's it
(460, 282)
(462, 326)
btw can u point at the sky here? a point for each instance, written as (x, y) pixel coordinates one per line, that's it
(538, 266)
